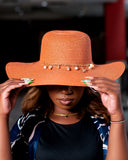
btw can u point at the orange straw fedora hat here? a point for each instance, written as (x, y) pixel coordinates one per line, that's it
(65, 59)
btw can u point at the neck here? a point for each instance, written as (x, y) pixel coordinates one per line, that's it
(64, 118)
(65, 115)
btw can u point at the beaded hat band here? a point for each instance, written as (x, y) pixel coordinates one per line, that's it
(65, 59)
(83, 68)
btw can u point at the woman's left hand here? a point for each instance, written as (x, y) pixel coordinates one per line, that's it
(110, 95)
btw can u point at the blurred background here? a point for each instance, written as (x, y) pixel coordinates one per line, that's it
(24, 22)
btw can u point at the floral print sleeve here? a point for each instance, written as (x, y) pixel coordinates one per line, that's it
(103, 131)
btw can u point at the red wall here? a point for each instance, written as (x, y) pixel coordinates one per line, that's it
(115, 31)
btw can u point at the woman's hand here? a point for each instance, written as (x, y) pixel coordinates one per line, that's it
(8, 94)
(110, 95)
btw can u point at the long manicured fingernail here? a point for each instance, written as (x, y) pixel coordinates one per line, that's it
(31, 81)
(89, 77)
(28, 80)
(93, 90)
(87, 82)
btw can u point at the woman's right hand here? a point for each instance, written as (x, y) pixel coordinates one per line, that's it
(8, 94)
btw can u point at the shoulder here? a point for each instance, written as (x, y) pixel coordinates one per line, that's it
(26, 123)
(30, 118)
(22, 132)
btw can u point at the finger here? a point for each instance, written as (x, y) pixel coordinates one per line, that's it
(16, 91)
(106, 86)
(7, 89)
(103, 87)
(11, 82)
(102, 83)
(20, 82)
(101, 80)
(105, 90)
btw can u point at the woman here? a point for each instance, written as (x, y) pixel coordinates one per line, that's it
(68, 111)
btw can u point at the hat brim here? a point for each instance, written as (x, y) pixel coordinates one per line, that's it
(57, 76)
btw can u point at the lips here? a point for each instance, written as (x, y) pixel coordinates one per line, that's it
(65, 101)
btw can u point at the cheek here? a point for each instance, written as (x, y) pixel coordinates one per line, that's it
(52, 95)
(52, 92)
(80, 91)
(78, 94)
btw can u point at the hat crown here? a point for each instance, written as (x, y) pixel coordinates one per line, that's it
(66, 47)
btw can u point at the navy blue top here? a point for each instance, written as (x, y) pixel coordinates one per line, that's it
(70, 142)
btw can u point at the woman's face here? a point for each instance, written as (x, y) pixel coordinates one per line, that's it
(65, 97)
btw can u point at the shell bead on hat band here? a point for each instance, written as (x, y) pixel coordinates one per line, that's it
(68, 68)
(84, 70)
(76, 68)
(91, 66)
(45, 67)
(58, 66)
(50, 67)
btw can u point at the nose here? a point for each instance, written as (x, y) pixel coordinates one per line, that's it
(67, 90)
